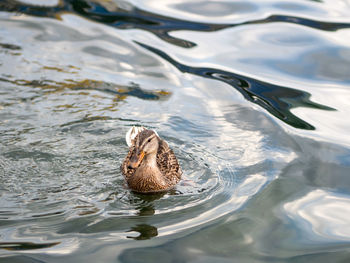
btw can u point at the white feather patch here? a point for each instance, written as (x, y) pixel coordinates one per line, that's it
(156, 133)
(132, 133)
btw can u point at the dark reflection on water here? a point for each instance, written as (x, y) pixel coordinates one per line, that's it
(121, 92)
(160, 25)
(277, 100)
(9, 46)
(25, 245)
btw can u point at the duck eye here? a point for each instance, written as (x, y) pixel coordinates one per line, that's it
(149, 140)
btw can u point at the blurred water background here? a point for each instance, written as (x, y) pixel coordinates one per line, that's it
(253, 97)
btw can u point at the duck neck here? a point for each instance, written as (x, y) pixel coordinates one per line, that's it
(150, 160)
(148, 176)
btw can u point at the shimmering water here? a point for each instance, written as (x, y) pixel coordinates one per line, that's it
(253, 97)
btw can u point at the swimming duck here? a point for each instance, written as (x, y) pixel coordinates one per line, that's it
(150, 166)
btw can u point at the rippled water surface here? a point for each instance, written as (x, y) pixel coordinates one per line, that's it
(253, 97)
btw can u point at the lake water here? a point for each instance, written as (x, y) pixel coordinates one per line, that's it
(252, 96)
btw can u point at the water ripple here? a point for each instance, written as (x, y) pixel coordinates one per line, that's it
(321, 216)
(277, 100)
(76, 75)
(133, 17)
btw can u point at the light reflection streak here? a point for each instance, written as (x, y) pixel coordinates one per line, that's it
(327, 213)
(226, 10)
(252, 183)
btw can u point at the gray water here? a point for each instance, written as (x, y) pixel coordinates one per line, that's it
(266, 164)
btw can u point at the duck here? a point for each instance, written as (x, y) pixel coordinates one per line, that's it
(150, 165)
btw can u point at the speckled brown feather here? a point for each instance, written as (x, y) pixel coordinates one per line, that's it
(128, 172)
(166, 162)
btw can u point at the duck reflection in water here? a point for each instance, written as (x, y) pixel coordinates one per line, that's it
(146, 232)
(145, 210)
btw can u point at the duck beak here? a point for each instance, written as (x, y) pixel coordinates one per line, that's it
(136, 159)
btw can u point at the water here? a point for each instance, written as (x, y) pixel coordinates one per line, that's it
(251, 95)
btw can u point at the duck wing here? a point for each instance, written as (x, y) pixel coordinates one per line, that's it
(128, 172)
(167, 163)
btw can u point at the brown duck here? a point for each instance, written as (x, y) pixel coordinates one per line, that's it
(150, 166)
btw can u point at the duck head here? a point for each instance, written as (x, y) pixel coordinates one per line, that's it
(146, 145)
